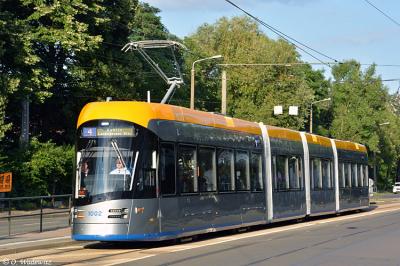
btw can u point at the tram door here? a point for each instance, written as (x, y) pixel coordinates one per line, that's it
(169, 211)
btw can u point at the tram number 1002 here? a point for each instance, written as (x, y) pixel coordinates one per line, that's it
(95, 213)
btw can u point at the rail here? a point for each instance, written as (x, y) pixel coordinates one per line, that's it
(28, 214)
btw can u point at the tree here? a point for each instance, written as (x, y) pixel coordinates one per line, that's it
(45, 36)
(362, 113)
(253, 91)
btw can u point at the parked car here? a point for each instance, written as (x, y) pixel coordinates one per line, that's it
(396, 187)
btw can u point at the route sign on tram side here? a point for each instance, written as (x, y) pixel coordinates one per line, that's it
(5, 182)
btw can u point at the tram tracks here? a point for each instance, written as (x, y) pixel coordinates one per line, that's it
(107, 254)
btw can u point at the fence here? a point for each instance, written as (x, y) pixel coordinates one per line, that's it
(33, 214)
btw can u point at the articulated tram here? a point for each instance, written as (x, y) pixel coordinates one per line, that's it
(148, 172)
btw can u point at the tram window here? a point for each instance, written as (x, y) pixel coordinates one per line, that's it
(226, 181)
(273, 166)
(301, 173)
(366, 184)
(347, 173)
(360, 176)
(326, 174)
(316, 173)
(256, 172)
(273, 170)
(167, 169)
(207, 170)
(354, 175)
(295, 173)
(242, 170)
(187, 169)
(341, 175)
(282, 177)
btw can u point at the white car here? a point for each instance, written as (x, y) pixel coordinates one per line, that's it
(396, 187)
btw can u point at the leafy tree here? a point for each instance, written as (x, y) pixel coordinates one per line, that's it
(42, 169)
(44, 36)
(253, 91)
(362, 113)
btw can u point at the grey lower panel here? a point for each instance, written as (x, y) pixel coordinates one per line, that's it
(194, 212)
(289, 204)
(323, 201)
(352, 198)
(100, 229)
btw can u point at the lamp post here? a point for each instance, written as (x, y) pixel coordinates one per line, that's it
(192, 78)
(311, 110)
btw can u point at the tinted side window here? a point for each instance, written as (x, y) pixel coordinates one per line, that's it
(326, 173)
(242, 170)
(207, 170)
(316, 173)
(360, 176)
(282, 176)
(354, 182)
(167, 168)
(226, 181)
(256, 172)
(341, 174)
(366, 180)
(347, 174)
(187, 169)
(295, 172)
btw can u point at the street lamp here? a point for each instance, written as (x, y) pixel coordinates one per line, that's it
(324, 100)
(192, 78)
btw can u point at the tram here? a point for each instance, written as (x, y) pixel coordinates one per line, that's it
(149, 172)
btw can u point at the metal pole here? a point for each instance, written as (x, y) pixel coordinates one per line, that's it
(9, 217)
(41, 215)
(311, 120)
(192, 88)
(223, 93)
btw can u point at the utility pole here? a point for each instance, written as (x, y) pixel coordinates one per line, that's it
(24, 139)
(223, 93)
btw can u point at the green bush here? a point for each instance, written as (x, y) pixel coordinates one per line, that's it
(43, 168)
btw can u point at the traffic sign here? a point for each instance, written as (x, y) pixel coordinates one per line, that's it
(5, 182)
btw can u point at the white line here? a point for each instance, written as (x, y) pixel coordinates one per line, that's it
(38, 240)
(129, 260)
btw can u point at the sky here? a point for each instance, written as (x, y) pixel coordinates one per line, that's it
(341, 29)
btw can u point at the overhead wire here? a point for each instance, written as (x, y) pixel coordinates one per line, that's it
(286, 37)
(383, 13)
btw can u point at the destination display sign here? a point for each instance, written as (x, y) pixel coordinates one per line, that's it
(5, 182)
(88, 132)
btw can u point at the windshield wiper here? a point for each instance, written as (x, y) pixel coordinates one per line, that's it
(118, 151)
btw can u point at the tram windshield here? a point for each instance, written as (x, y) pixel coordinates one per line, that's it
(106, 158)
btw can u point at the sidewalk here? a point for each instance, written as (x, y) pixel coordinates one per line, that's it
(30, 241)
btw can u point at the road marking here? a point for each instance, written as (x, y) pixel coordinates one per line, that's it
(129, 260)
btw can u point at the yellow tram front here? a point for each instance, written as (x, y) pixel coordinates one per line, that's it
(115, 174)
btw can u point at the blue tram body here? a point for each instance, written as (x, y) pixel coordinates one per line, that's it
(149, 172)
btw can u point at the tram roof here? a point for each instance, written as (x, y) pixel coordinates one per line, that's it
(142, 113)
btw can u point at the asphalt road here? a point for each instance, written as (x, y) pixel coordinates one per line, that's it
(365, 238)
